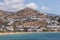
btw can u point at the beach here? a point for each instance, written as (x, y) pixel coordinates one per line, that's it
(6, 33)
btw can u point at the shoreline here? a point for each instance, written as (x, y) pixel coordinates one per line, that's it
(17, 33)
(24, 33)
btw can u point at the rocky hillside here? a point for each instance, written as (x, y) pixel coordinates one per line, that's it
(27, 17)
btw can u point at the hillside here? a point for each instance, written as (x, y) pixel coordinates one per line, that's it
(27, 17)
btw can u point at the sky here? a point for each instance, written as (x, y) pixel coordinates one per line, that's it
(49, 6)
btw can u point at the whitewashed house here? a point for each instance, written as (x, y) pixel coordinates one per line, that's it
(54, 27)
(20, 28)
(10, 23)
(1, 29)
(39, 30)
(30, 30)
(10, 28)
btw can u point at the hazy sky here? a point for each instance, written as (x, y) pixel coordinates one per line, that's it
(52, 6)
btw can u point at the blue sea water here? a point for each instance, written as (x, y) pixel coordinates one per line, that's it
(33, 36)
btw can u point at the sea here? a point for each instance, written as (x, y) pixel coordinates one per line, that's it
(32, 36)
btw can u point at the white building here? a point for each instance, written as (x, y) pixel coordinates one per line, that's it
(10, 28)
(53, 26)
